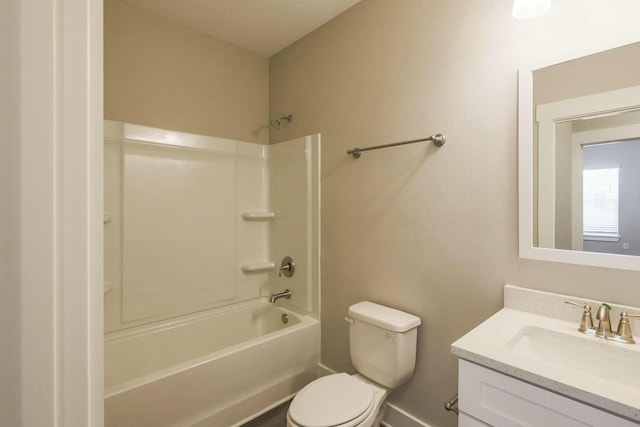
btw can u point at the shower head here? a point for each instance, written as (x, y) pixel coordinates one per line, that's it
(276, 123)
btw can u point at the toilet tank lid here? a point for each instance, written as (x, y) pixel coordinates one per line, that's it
(384, 317)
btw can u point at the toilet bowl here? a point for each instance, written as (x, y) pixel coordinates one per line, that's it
(382, 347)
(338, 400)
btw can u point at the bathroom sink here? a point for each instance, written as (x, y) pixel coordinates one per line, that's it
(549, 352)
(588, 355)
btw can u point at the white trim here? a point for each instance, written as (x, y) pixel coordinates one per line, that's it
(396, 417)
(138, 133)
(601, 238)
(61, 212)
(525, 161)
(599, 136)
(577, 239)
(525, 165)
(38, 276)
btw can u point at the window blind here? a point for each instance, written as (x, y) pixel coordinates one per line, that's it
(600, 201)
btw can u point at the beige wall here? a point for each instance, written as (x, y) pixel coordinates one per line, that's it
(611, 70)
(162, 74)
(433, 231)
(10, 338)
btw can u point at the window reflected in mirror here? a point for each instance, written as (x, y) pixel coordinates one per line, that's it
(586, 129)
(611, 197)
(597, 185)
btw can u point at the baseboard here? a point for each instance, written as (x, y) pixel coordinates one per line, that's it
(323, 370)
(396, 417)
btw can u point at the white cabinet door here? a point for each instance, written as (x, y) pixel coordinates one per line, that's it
(503, 401)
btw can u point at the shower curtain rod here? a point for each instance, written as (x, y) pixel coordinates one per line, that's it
(438, 140)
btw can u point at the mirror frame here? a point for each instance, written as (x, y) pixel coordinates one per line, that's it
(525, 164)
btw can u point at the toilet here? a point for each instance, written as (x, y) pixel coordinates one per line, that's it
(383, 351)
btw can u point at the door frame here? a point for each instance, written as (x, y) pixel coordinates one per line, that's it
(60, 191)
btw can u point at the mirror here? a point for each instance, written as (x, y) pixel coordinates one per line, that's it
(579, 158)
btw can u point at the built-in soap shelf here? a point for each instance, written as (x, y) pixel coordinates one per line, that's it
(108, 217)
(258, 216)
(256, 267)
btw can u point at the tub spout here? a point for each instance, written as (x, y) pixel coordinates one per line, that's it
(275, 297)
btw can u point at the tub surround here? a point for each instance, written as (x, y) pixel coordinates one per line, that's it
(489, 345)
(176, 240)
(241, 207)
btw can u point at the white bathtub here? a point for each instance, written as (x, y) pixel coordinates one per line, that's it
(212, 369)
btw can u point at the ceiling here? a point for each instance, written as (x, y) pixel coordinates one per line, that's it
(261, 26)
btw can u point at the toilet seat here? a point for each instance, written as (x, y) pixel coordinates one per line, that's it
(333, 400)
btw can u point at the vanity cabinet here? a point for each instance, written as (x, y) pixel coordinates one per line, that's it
(490, 398)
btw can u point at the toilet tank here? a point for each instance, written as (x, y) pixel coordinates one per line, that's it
(383, 342)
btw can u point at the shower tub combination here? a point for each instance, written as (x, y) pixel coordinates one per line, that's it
(194, 226)
(210, 369)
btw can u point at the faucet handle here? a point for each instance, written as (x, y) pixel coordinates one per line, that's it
(624, 328)
(578, 304)
(586, 322)
(287, 267)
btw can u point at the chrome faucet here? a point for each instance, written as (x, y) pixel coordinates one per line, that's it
(275, 297)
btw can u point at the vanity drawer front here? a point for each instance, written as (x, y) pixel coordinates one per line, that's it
(503, 401)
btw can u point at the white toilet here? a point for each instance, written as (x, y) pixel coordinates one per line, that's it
(383, 351)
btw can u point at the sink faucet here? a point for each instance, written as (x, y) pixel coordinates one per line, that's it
(604, 326)
(623, 334)
(275, 297)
